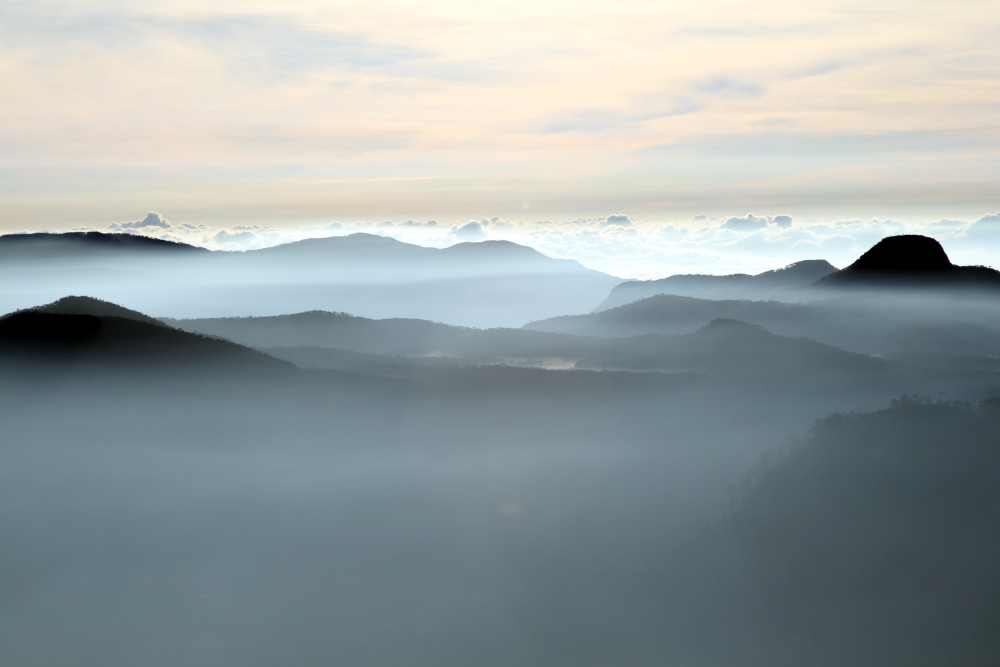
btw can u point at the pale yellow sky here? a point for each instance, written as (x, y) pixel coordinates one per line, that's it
(280, 112)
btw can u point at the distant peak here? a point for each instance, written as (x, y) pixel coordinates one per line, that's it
(356, 240)
(93, 240)
(911, 261)
(908, 252)
(85, 305)
(493, 246)
(811, 264)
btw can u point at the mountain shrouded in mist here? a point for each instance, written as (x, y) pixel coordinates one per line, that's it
(778, 283)
(871, 542)
(488, 283)
(312, 487)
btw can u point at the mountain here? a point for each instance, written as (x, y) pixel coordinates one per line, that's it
(77, 245)
(885, 325)
(410, 348)
(77, 331)
(347, 342)
(870, 542)
(485, 284)
(732, 348)
(397, 336)
(85, 305)
(669, 314)
(910, 261)
(769, 284)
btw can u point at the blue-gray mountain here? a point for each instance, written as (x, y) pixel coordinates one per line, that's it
(490, 283)
(785, 283)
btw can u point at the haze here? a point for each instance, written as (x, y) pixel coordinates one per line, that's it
(534, 334)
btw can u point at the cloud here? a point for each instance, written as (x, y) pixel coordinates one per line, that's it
(152, 220)
(749, 222)
(226, 237)
(728, 87)
(987, 227)
(618, 220)
(631, 248)
(473, 230)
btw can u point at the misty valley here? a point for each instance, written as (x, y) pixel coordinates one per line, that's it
(356, 451)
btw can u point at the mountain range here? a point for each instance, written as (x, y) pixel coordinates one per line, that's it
(325, 488)
(786, 282)
(489, 283)
(895, 263)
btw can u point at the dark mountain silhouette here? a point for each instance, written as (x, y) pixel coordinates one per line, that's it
(77, 331)
(734, 286)
(910, 261)
(489, 283)
(85, 305)
(69, 245)
(872, 542)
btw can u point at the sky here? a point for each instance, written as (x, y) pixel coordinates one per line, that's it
(631, 135)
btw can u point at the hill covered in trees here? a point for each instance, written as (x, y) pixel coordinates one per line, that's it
(871, 541)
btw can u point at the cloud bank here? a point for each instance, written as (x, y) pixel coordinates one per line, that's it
(621, 244)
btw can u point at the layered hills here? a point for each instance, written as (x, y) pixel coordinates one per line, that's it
(169, 496)
(723, 347)
(489, 283)
(786, 282)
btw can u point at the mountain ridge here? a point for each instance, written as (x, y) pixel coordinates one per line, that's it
(732, 286)
(910, 261)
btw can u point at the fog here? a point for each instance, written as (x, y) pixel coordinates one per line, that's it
(495, 283)
(324, 488)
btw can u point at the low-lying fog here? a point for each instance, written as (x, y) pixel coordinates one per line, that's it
(397, 496)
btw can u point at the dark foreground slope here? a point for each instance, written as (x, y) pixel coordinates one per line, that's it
(873, 542)
(78, 331)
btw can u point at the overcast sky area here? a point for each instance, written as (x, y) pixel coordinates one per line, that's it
(642, 138)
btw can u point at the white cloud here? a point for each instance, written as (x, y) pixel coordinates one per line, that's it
(473, 230)
(242, 238)
(989, 223)
(152, 220)
(641, 249)
(749, 222)
(619, 220)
